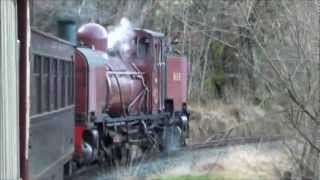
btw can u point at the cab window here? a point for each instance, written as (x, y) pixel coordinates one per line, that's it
(143, 47)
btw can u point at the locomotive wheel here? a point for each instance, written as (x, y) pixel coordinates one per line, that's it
(121, 154)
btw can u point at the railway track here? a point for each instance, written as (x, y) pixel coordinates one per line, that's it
(215, 143)
(209, 144)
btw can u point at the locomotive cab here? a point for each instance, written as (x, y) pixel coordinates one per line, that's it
(150, 57)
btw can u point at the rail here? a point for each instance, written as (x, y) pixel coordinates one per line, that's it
(232, 142)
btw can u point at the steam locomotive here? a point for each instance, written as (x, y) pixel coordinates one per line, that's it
(90, 103)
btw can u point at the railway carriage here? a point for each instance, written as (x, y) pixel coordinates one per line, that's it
(51, 142)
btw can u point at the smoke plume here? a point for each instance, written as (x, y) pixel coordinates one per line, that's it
(120, 37)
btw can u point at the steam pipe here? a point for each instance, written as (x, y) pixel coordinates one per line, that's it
(146, 90)
(120, 93)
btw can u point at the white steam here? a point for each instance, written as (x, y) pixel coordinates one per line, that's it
(120, 37)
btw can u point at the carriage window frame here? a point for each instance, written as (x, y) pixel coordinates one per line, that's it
(45, 84)
(62, 84)
(52, 84)
(36, 84)
(66, 82)
(70, 83)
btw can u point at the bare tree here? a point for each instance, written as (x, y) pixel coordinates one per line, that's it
(285, 38)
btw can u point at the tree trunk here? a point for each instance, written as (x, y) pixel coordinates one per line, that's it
(190, 68)
(185, 24)
(199, 56)
(204, 68)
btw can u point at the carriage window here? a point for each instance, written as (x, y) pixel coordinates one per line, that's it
(67, 76)
(53, 84)
(143, 47)
(70, 83)
(63, 84)
(56, 106)
(37, 65)
(45, 84)
(36, 85)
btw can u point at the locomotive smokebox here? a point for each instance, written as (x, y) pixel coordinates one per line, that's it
(67, 30)
(93, 36)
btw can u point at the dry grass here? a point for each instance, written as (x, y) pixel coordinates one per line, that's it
(239, 163)
(239, 119)
(254, 164)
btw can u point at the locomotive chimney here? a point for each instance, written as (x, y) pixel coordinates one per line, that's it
(67, 30)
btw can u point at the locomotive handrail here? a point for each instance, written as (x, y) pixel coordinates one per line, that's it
(124, 73)
(107, 119)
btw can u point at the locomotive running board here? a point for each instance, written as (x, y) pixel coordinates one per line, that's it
(125, 120)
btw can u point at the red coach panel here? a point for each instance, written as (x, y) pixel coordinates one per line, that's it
(177, 71)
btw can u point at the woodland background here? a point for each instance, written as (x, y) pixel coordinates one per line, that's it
(257, 53)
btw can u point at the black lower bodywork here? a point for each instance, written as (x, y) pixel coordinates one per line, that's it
(113, 138)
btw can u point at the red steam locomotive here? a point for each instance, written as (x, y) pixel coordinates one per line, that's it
(91, 103)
